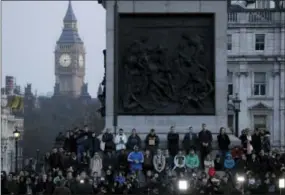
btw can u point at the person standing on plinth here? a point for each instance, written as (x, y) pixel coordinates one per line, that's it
(190, 141)
(121, 140)
(205, 141)
(152, 141)
(173, 142)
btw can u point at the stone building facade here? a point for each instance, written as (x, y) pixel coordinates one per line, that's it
(8, 124)
(256, 69)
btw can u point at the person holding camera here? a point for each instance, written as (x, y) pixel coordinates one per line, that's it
(120, 140)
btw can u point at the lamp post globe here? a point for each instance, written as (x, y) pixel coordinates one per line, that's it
(236, 103)
(16, 135)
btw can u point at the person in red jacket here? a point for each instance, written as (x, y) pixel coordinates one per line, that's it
(237, 153)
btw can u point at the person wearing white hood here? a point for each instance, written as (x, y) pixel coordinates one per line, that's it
(121, 140)
(96, 165)
(179, 162)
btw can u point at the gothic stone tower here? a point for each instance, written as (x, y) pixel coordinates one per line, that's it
(69, 58)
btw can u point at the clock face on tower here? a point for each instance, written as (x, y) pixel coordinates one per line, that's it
(65, 60)
(81, 61)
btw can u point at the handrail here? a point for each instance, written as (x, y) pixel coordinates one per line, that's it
(256, 17)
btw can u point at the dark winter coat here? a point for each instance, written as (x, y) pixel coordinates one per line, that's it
(223, 142)
(256, 143)
(190, 140)
(152, 137)
(173, 143)
(266, 146)
(241, 166)
(54, 160)
(62, 191)
(108, 139)
(132, 141)
(205, 137)
(94, 145)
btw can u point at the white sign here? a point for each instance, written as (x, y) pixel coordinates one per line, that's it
(159, 122)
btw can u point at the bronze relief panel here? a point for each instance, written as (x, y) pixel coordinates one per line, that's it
(166, 64)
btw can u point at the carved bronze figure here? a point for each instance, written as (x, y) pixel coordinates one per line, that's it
(166, 70)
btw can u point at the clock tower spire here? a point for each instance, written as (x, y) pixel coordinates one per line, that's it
(69, 57)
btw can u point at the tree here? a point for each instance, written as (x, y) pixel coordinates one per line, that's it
(55, 115)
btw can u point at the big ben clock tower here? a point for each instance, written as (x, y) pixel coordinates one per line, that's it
(69, 58)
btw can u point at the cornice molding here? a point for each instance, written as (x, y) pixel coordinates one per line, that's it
(242, 73)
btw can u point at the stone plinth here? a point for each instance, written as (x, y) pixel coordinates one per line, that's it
(162, 123)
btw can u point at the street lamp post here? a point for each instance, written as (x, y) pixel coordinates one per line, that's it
(16, 134)
(37, 158)
(236, 104)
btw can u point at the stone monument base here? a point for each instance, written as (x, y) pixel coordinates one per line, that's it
(162, 124)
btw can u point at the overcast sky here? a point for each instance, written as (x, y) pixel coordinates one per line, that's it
(29, 34)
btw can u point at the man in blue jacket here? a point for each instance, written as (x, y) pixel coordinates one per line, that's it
(136, 160)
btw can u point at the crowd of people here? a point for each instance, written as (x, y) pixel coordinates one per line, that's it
(83, 163)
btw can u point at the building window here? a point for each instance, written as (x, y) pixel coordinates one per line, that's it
(230, 83)
(231, 123)
(259, 42)
(259, 83)
(260, 121)
(229, 42)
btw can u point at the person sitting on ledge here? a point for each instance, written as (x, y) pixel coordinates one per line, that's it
(192, 161)
(179, 163)
(136, 159)
(159, 161)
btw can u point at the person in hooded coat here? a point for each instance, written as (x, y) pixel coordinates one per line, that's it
(133, 140)
(229, 162)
